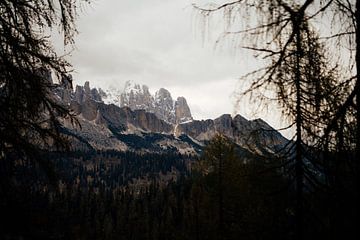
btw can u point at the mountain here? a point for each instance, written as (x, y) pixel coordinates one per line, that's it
(146, 123)
(136, 96)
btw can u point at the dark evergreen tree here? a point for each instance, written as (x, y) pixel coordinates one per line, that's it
(307, 89)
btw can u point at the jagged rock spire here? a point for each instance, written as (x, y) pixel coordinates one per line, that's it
(136, 97)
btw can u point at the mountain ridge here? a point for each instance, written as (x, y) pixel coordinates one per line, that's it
(110, 127)
(161, 103)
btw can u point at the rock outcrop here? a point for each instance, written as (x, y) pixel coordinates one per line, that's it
(164, 105)
(84, 93)
(182, 111)
(160, 120)
(135, 97)
(86, 102)
(255, 135)
(138, 97)
(65, 88)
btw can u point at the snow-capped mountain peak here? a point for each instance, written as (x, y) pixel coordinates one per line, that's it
(131, 86)
(136, 96)
(107, 126)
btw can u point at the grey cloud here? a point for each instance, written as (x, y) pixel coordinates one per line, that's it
(153, 42)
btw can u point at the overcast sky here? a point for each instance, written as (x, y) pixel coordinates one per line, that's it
(160, 43)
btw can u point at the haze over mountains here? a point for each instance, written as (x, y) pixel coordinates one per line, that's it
(133, 119)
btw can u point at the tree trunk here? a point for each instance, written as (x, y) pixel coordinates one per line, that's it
(357, 87)
(298, 158)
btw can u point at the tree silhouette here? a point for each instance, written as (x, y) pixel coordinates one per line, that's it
(30, 114)
(220, 157)
(306, 86)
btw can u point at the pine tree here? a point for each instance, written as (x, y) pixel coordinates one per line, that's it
(30, 115)
(281, 33)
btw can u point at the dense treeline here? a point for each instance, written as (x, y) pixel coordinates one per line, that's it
(108, 169)
(186, 208)
(82, 187)
(112, 195)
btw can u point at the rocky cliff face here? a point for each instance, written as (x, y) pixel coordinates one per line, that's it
(85, 93)
(182, 111)
(138, 97)
(158, 123)
(135, 96)
(254, 135)
(164, 105)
